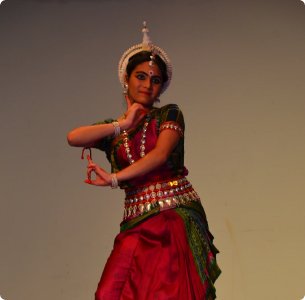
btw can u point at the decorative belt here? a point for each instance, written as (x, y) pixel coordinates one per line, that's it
(160, 195)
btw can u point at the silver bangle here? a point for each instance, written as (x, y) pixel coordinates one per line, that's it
(114, 181)
(117, 128)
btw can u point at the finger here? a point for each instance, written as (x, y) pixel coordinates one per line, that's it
(90, 166)
(141, 111)
(89, 171)
(128, 101)
(98, 172)
(89, 158)
(96, 182)
(144, 109)
(140, 115)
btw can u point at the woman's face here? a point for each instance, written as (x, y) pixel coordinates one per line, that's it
(145, 84)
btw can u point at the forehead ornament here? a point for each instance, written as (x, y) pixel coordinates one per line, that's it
(146, 45)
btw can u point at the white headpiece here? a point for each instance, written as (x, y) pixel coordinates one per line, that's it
(146, 45)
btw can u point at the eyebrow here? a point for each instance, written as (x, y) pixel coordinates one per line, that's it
(137, 72)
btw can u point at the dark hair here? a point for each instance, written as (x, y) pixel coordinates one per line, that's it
(144, 56)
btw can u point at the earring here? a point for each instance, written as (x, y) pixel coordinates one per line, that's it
(125, 89)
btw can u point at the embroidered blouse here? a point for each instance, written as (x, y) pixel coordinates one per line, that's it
(166, 117)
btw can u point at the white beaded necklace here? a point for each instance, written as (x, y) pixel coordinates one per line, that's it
(143, 141)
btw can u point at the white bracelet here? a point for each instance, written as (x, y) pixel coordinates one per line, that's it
(114, 181)
(117, 128)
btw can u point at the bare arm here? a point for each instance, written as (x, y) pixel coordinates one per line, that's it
(87, 136)
(167, 141)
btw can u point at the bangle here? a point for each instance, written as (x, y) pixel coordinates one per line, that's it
(117, 128)
(114, 181)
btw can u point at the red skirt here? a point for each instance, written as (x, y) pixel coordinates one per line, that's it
(161, 259)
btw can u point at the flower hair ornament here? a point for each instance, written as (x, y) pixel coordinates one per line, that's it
(146, 45)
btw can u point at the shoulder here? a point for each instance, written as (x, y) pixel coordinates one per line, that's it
(171, 114)
(169, 107)
(171, 111)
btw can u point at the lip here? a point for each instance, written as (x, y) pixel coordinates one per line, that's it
(145, 93)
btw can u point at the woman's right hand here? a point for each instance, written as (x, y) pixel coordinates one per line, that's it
(134, 114)
(87, 136)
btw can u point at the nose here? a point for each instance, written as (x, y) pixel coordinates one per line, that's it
(148, 83)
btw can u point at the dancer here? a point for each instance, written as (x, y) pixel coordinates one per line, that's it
(164, 249)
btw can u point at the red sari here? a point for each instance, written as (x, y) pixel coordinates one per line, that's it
(164, 250)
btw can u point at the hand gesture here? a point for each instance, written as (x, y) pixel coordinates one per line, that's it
(102, 177)
(135, 113)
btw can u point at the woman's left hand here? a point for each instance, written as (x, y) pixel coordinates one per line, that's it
(103, 178)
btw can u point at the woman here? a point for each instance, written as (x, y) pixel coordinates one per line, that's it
(164, 249)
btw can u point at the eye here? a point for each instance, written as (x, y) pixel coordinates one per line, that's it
(156, 80)
(141, 76)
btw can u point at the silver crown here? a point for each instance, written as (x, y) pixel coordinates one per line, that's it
(146, 45)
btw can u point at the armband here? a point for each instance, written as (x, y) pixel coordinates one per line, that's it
(172, 125)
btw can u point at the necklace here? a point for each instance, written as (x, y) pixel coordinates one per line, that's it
(143, 141)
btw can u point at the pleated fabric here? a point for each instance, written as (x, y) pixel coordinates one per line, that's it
(157, 260)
